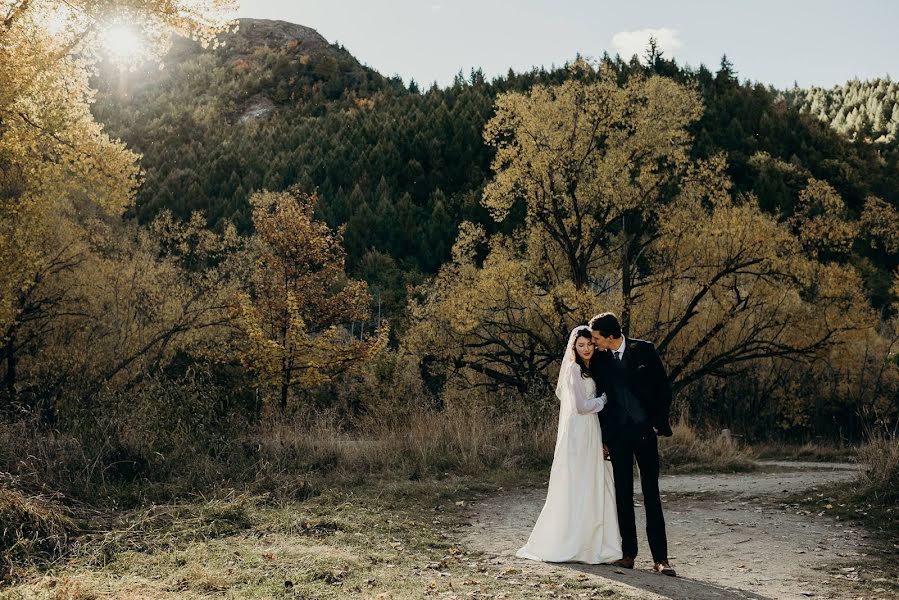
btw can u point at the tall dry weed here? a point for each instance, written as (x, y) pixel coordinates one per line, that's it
(689, 451)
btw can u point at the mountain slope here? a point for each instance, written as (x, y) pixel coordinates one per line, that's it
(278, 106)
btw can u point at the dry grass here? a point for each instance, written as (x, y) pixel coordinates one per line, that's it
(33, 530)
(810, 452)
(278, 462)
(396, 539)
(876, 494)
(471, 441)
(311, 482)
(686, 451)
(872, 500)
(461, 442)
(159, 528)
(881, 481)
(290, 462)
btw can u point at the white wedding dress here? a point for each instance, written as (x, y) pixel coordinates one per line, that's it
(579, 522)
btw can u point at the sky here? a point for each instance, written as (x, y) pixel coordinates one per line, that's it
(777, 42)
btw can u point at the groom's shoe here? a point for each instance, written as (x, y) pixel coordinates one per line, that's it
(624, 562)
(664, 568)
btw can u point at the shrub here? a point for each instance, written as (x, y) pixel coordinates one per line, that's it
(880, 483)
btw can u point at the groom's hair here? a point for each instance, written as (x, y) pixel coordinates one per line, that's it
(606, 324)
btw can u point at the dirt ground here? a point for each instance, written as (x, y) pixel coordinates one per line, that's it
(730, 536)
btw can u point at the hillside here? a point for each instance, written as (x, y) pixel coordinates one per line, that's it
(279, 106)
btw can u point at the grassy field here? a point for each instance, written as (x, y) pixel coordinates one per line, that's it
(390, 539)
(324, 517)
(291, 511)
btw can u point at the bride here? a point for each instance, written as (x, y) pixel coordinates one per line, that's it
(579, 522)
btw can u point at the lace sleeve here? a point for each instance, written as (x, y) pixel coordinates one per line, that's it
(583, 404)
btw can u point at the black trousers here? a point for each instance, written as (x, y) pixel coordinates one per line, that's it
(645, 448)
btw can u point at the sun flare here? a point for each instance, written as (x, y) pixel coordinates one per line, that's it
(123, 43)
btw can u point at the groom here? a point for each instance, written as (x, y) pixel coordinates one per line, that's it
(632, 375)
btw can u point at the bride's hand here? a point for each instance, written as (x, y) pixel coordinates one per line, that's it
(605, 452)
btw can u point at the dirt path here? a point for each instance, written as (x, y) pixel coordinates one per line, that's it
(731, 536)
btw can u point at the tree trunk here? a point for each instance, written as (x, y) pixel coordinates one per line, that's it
(9, 378)
(578, 272)
(284, 387)
(625, 278)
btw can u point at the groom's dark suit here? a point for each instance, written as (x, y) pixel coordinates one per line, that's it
(639, 398)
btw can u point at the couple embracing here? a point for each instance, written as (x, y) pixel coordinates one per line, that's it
(589, 512)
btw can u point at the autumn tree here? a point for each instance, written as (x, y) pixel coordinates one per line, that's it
(494, 322)
(880, 222)
(592, 161)
(821, 220)
(729, 284)
(52, 151)
(619, 217)
(297, 310)
(112, 303)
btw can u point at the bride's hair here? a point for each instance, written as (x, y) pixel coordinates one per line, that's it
(582, 333)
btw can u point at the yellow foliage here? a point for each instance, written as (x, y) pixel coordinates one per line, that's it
(821, 219)
(582, 155)
(497, 321)
(880, 221)
(51, 148)
(111, 301)
(717, 283)
(297, 301)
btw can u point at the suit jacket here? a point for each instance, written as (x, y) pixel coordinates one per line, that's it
(647, 380)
